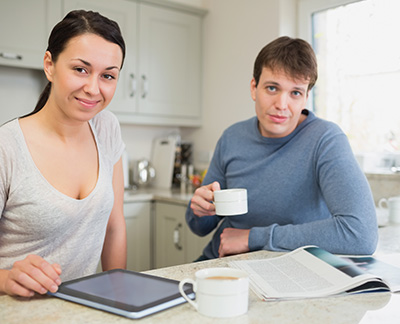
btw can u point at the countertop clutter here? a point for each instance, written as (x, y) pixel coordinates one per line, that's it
(363, 308)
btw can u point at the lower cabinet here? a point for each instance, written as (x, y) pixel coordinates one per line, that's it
(157, 236)
(138, 235)
(174, 242)
(138, 229)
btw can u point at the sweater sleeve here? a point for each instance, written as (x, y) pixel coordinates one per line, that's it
(352, 227)
(206, 224)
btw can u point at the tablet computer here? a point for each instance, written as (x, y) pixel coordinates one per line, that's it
(122, 292)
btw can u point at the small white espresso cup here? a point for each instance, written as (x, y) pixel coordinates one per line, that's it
(393, 204)
(229, 202)
(220, 292)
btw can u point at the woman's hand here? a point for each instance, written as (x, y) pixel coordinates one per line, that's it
(30, 275)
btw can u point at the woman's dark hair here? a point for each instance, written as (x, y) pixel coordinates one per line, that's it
(76, 23)
(293, 56)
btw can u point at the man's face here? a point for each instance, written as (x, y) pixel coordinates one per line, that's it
(279, 100)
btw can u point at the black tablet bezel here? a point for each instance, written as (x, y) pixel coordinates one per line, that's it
(63, 289)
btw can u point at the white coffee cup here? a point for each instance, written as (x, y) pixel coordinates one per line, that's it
(229, 202)
(393, 204)
(220, 292)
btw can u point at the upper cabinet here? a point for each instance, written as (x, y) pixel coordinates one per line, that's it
(24, 30)
(169, 64)
(124, 12)
(160, 83)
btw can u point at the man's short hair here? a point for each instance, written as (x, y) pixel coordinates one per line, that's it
(293, 56)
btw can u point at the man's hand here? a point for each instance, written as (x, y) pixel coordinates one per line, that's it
(234, 241)
(30, 275)
(201, 202)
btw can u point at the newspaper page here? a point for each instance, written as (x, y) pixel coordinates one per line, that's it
(304, 273)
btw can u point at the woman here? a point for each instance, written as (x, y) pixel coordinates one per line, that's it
(61, 182)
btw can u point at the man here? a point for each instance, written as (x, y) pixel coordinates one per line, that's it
(304, 184)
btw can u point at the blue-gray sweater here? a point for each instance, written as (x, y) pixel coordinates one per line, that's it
(305, 188)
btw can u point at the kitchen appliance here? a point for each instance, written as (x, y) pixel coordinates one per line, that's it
(183, 167)
(162, 158)
(143, 173)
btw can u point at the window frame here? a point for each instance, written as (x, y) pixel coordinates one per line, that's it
(305, 10)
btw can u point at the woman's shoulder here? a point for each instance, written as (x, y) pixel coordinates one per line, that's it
(11, 124)
(8, 131)
(105, 124)
(10, 141)
(107, 130)
(105, 118)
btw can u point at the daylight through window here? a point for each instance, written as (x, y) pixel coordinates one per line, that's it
(358, 52)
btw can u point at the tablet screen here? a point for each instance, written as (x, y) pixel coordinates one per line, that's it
(126, 288)
(124, 292)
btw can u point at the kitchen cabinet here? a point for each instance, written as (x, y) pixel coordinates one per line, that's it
(160, 83)
(124, 12)
(138, 235)
(138, 230)
(173, 239)
(24, 29)
(169, 66)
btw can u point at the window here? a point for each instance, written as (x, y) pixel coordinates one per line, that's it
(358, 52)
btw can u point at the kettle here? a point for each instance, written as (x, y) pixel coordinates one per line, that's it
(143, 173)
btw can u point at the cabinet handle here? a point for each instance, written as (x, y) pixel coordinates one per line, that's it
(11, 56)
(145, 86)
(133, 85)
(177, 237)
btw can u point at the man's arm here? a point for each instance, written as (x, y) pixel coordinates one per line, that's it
(352, 227)
(200, 214)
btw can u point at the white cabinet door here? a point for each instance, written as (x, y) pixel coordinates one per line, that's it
(169, 235)
(24, 30)
(174, 242)
(169, 45)
(138, 220)
(195, 244)
(124, 12)
(160, 81)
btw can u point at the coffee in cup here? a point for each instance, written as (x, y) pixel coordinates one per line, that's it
(222, 278)
(220, 292)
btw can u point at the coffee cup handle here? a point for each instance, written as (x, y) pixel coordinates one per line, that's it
(181, 284)
(382, 202)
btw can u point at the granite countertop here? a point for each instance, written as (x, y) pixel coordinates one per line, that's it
(362, 309)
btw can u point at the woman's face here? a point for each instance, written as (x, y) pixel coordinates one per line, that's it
(84, 77)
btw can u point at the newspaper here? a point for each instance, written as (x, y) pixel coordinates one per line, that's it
(310, 272)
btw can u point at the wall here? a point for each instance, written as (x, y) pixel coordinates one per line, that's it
(19, 91)
(234, 32)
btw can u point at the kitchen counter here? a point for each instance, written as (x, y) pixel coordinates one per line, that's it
(165, 195)
(363, 309)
